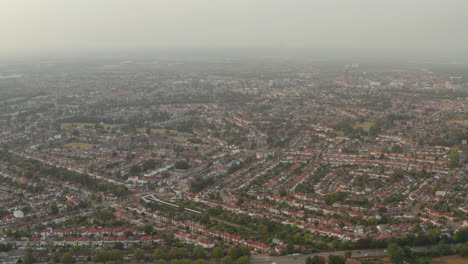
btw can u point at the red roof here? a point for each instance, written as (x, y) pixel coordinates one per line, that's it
(81, 230)
(352, 261)
(262, 245)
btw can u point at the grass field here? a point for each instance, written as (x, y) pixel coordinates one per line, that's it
(111, 126)
(12, 100)
(77, 125)
(461, 122)
(159, 131)
(450, 260)
(91, 125)
(180, 139)
(77, 145)
(365, 126)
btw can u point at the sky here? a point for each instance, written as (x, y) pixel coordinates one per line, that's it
(424, 27)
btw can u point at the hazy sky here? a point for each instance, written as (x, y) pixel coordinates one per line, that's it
(426, 27)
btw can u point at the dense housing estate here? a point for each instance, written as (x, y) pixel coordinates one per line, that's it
(272, 157)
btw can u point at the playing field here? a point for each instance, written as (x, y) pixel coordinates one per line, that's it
(111, 126)
(77, 145)
(88, 125)
(365, 126)
(159, 131)
(77, 125)
(12, 100)
(461, 122)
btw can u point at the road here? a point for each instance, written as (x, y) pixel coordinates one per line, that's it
(300, 259)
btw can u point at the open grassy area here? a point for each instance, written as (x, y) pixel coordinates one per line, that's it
(450, 260)
(461, 122)
(77, 145)
(12, 100)
(364, 125)
(180, 139)
(88, 125)
(111, 126)
(159, 131)
(77, 125)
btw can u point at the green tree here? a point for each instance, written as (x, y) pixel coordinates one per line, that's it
(149, 164)
(185, 261)
(28, 258)
(182, 253)
(245, 250)
(54, 209)
(234, 252)
(182, 165)
(172, 253)
(454, 158)
(66, 258)
(201, 261)
(462, 249)
(461, 235)
(159, 254)
(148, 229)
(218, 253)
(226, 260)
(263, 230)
(108, 255)
(175, 261)
(396, 253)
(199, 252)
(161, 261)
(433, 234)
(397, 175)
(443, 248)
(332, 259)
(243, 260)
(138, 254)
(318, 260)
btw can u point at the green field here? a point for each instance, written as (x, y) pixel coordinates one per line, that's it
(111, 126)
(159, 131)
(77, 125)
(88, 125)
(77, 145)
(12, 100)
(463, 122)
(365, 126)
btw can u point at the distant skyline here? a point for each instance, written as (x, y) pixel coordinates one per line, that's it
(419, 28)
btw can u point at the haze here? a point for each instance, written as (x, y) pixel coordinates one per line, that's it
(426, 28)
